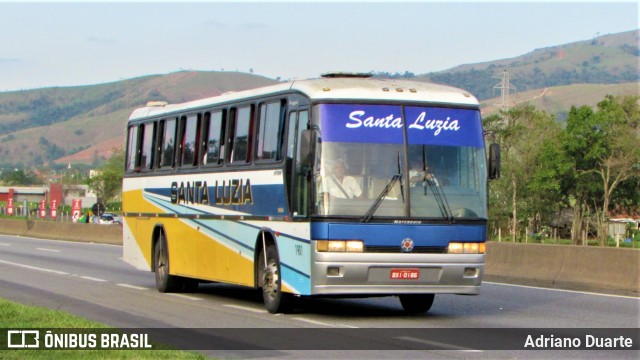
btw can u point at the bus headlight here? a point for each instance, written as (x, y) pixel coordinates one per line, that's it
(466, 248)
(339, 246)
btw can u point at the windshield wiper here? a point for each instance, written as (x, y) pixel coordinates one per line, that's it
(439, 195)
(376, 204)
(432, 182)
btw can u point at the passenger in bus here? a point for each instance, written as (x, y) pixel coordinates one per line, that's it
(341, 185)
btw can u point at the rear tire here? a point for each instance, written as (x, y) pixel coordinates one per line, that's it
(271, 281)
(416, 303)
(164, 281)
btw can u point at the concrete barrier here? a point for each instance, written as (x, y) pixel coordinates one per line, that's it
(565, 266)
(562, 266)
(93, 233)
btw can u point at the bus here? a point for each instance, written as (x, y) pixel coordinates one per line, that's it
(341, 186)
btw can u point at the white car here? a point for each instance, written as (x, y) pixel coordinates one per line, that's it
(110, 218)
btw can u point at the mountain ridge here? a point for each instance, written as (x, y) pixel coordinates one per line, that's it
(79, 124)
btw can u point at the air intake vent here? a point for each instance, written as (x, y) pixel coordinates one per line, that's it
(157, 104)
(346, 75)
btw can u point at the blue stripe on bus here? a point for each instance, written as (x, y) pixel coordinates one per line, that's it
(295, 270)
(194, 210)
(162, 203)
(268, 200)
(290, 276)
(393, 234)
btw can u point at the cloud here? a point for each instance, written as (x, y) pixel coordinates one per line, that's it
(248, 25)
(9, 61)
(216, 24)
(103, 41)
(254, 26)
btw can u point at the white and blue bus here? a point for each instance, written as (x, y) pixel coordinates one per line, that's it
(344, 185)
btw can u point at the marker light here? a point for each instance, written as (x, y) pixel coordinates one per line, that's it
(339, 246)
(466, 248)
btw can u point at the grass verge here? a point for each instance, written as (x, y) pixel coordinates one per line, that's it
(18, 316)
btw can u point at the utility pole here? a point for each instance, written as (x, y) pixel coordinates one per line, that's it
(505, 89)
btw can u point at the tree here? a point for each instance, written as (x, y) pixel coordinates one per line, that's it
(619, 160)
(603, 145)
(20, 178)
(108, 183)
(532, 163)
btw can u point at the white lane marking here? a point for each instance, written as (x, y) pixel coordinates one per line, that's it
(132, 287)
(323, 323)
(92, 279)
(5, 244)
(34, 267)
(193, 298)
(49, 250)
(245, 308)
(562, 290)
(443, 346)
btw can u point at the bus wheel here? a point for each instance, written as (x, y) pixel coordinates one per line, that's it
(416, 303)
(164, 281)
(274, 299)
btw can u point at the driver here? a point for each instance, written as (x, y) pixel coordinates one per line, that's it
(343, 186)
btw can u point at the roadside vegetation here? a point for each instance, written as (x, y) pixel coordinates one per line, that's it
(17, 316)
(566, 180)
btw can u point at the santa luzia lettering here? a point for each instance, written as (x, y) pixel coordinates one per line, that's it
(227, 192)
(359, 118)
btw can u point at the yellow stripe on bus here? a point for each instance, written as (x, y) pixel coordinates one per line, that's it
(213, 261)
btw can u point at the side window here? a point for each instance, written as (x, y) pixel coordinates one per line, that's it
(148, 135)
(168, 143)
(214, 140)
(270, 132)
(241, 139)
(132, 148)
(189, 141)
(303, 124)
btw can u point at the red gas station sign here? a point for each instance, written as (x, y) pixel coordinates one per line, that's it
(10, 206)
(76, 209)
(53, 205)
(43, 209)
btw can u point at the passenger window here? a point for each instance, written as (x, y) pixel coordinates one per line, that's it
(214, 141)
(168, 143)
(132, 148)
(241, 141)
(270, 132)
(146, 158)
(189, 141)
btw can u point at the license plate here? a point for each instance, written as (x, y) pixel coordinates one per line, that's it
(404, 274)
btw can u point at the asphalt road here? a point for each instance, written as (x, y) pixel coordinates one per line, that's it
(92, 280)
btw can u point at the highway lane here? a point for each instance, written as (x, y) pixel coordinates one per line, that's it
(91, 280)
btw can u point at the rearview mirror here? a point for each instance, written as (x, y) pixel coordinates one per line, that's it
(309, 143)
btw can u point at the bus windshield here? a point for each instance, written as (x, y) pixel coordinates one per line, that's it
(398, 161)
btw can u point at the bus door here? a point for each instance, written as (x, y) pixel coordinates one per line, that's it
(296, 170)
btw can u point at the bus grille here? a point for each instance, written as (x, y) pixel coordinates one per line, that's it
(396, 249)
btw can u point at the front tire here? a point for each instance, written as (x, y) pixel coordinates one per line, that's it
(416, 303)
(271, 281)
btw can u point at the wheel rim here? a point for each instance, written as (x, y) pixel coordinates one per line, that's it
(271, 279)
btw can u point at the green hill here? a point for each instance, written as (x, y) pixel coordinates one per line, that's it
(558, 100)
(608, 59)
(54, 124)
(83, 124)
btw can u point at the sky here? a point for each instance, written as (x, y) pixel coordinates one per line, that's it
(45, 44)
